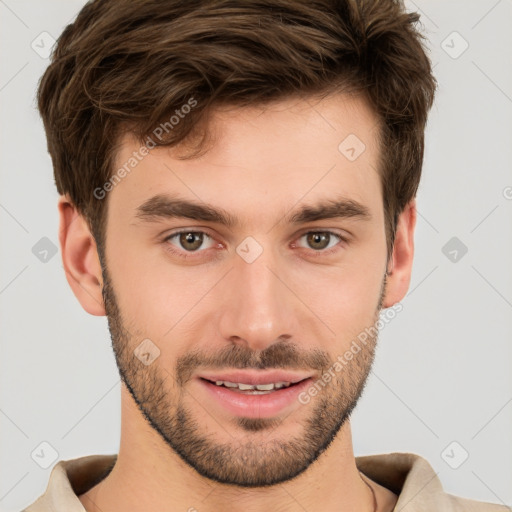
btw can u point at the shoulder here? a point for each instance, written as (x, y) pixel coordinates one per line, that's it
(418, 487)
(460, 504)
(70, 478)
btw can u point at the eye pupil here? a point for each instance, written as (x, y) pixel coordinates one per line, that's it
(318, 238)
(195, 239)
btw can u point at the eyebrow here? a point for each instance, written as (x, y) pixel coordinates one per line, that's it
(163, 206)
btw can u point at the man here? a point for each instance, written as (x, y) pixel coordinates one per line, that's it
(238, 186)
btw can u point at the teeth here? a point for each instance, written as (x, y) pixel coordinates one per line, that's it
(227, 384)
(264, 387)
(245, 387)
(249, 387)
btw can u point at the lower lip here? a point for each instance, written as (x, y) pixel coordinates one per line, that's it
(255, 406)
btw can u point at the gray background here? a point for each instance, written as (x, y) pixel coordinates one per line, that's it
(441, 384)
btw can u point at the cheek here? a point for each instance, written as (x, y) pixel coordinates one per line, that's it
(347, 295)
(158, 299)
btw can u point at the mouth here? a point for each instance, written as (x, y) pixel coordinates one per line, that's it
(255, 377)
(249, 389)
(255, 394)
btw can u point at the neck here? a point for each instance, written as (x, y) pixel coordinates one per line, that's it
(148, 475)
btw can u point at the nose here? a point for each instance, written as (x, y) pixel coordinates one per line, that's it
(258, 308)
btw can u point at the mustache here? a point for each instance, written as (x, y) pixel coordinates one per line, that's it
(281, 354)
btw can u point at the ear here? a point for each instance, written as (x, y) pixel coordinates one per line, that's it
(400, 264)
(80, 258)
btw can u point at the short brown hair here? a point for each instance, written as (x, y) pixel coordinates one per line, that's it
(128, 65)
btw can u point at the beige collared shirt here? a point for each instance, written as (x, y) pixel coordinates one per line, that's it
(408, 475)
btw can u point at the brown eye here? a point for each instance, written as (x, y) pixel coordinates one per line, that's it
(322, 243)
(318, 240)
(191, 241)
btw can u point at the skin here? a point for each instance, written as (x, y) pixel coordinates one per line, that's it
(264, 164)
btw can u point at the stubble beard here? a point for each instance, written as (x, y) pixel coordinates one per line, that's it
(259, 456)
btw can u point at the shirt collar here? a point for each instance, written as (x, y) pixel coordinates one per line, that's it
(409, 476)
(406, 474)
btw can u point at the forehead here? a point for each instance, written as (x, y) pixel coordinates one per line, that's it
(265, 159)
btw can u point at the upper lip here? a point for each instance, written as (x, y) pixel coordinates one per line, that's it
(255, 377)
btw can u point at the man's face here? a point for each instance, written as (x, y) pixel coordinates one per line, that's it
(268, 298)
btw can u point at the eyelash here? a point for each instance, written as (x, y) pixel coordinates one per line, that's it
(180, 254)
